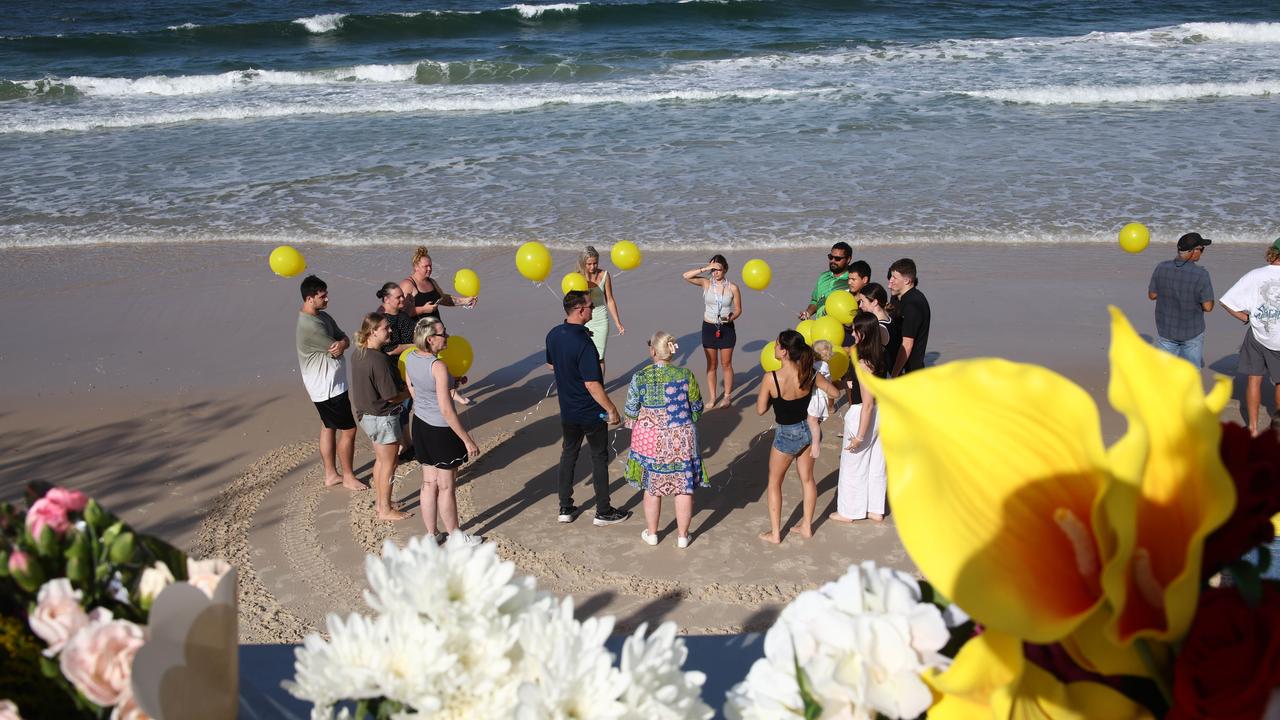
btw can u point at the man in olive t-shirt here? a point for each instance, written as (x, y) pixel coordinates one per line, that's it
(321, 345)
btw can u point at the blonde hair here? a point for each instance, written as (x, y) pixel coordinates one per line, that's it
(587, 252)
(367, 326)
(822, 348)
(419, 253)
(663, 345)
(426, 328)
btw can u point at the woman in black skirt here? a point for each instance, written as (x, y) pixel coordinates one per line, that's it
(722, 303)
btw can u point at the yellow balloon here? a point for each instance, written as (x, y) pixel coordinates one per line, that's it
(286, 262)
(829, 329)
(573, 281)
(756, 274)
(1134, 237)
(457, 355)
(805, 328)
(466, 282)
(533, 260)
(625, 255)
(839, 364)
(400, 363)
(841, 305)
(767, 360)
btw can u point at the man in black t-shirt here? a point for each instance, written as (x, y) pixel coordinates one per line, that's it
(913, 309)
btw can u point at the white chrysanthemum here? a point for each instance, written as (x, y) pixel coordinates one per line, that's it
(656, 687)
(862, 643)
(567, 671)
(344, 667)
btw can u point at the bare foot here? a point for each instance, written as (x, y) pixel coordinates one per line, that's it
(805, 531)
(393, 515)
(353, 484)
(769, 537)
(331, 481)
(839, 518)
(711, 404)
(723, 403)
(873, 517)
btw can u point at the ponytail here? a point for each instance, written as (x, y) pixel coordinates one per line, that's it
(799, 352)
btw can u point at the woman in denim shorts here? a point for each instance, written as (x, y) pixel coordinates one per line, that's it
(376, 394)
(788, 391)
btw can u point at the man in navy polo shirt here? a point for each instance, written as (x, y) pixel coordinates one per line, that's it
(584, 407)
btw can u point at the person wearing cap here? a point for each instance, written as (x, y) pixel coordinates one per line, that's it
(1183, 294)
(835, 278)
(1255, 301)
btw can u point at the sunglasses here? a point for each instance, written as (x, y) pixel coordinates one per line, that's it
(836, 257)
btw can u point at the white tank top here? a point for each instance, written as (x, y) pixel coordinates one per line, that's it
(719, 305)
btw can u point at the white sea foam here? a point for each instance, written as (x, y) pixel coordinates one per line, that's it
(320, 24)
(1266, 32)
(184, 26)
(504, 103)
(1102, 94)
(164, 85)
(535, 11)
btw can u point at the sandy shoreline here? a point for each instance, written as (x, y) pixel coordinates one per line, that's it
(162, 379)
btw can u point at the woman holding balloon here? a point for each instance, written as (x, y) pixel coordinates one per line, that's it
(723, 305)
(600, 287)
(440, 441)
(788, 390)
(424, 292)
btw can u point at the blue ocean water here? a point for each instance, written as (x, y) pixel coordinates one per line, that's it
(722, 123)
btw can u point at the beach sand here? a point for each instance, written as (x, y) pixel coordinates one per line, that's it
(162, 379)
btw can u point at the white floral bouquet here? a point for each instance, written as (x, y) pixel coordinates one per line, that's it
(78, 591)
(456, 635)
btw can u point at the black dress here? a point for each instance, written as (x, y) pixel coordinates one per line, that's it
(420, 298)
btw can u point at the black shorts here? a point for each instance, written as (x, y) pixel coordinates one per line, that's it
(335, 413)
(1258, 359)
(728, 336)
(437, 446)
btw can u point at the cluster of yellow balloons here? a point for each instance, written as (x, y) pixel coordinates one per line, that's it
(756, 274)
(841, 305)
(1134, 237)
(286, 261)
(456, 356)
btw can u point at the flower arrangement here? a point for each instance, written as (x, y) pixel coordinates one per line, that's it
(1111, 582)
(456, 635)
(81, 583)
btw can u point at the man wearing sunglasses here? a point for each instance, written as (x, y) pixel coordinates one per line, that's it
(835, 278)
(585, 408)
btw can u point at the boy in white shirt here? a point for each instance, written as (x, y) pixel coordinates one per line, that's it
(1255, 301)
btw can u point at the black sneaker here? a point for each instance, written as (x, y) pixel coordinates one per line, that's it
(613, 517)
(567, 513)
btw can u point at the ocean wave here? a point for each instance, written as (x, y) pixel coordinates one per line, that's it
(506, 103)
(1257, 33)
(320, 24)
(530, 12)
(183, 26)
(1111, 94)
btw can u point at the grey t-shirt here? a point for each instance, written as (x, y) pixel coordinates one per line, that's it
(325, 377)
(425, 403)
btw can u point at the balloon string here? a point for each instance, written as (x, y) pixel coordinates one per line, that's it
(775, 299)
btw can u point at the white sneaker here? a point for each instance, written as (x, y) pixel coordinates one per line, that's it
(682, 542)
(466, 539)
(647, 538)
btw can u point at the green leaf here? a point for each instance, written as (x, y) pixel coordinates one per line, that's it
(95, 516)
(121, 549)
(109, 535)
(79, 561)
(47, 543)
(4, 563)
(49, 667)
(1248, 580)
(812, 709)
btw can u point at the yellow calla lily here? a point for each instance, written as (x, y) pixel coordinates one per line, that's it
(1008, 503)
(990, 678)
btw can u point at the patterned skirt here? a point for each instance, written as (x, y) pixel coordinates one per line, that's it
(664, 459)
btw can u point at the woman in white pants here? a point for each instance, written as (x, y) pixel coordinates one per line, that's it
(860, 493)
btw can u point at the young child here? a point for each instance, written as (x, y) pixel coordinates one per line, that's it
(818, 410)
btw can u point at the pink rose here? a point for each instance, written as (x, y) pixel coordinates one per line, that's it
(19, 562)
(9, 711)
(58, 614)
(205, 574)
(71, 500)
(98, 660)
(47, 512)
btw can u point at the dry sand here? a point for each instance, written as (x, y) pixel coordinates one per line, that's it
(163, 380)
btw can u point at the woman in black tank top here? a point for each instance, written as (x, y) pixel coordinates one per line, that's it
(425, 292)
(788, 392)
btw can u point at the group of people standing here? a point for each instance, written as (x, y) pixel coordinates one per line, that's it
(664, 402)
(1183, 294)
(410, 416)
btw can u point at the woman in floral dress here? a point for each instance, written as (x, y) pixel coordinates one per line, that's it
(663, 403)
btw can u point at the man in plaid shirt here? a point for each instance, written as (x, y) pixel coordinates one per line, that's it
(1183, 294)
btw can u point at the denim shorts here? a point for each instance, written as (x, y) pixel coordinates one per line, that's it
(792, 439)
(381, 429)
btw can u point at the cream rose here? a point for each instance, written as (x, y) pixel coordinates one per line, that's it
(58, 614)
(128, 710)
(98, 660)
(9, 711)
(205, 574)
(154, 579)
